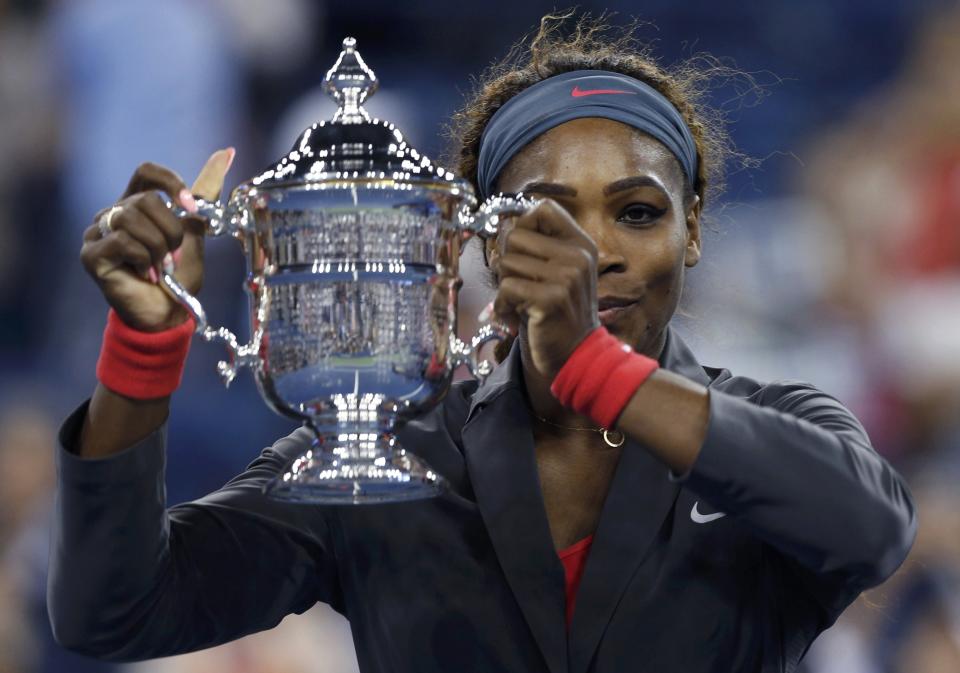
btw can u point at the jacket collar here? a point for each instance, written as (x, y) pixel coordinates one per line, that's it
(676, 356)
(501, 461)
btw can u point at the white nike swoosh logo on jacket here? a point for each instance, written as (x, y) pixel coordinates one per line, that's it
(697, 517)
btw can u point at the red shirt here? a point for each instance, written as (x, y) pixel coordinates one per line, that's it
(574, 558)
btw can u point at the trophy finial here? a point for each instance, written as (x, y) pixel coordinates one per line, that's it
(350, 82)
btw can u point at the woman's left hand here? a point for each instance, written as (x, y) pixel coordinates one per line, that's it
(547, 267)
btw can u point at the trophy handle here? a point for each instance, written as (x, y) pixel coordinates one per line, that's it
(485, 222)
(467, 355)
(238, 356)
(213, 212)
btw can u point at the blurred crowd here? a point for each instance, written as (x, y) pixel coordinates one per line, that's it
(837, 261)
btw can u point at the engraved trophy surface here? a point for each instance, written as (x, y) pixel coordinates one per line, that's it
(352, 243)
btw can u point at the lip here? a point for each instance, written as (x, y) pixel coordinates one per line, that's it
(610, 301)
(611, 308)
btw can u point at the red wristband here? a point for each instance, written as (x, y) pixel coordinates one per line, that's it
(143, 365)
(600, 377)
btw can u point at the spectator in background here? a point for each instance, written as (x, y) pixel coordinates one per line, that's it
(28, 163)
(138, 78)
(17, 648)
(26, 491)
(888, 181)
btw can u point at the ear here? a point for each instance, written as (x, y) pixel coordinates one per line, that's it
(692, 254)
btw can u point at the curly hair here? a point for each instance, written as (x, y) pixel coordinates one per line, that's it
(593, 44)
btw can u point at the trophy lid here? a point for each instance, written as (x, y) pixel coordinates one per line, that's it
(352, 146)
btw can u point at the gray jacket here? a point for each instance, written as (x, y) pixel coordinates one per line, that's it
(470, 581)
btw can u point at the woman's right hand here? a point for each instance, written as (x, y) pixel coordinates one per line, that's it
(125, 263)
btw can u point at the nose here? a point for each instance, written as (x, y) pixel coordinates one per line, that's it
(609, 257)
(610, 262)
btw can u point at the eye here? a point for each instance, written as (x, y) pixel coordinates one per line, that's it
(641, 213)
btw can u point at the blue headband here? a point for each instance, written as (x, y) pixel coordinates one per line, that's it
(582, 93)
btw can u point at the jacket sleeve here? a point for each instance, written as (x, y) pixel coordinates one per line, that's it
(130, 579)
(798, 468)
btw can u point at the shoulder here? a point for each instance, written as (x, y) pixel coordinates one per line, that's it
(448, 414)
(797, 397)
(462, 391)
(456, 404)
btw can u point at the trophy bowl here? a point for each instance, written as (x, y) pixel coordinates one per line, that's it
(352, 244)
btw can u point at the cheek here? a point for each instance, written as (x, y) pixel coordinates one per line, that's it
(660, 259)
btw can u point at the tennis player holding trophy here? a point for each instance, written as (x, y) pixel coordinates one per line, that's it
(600, 501)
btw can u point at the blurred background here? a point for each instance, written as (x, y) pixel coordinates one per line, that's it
(836, 260)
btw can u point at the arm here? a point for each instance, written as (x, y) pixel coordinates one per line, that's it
(132, 580)
(795, 465)
(114, 422)
(128, 578)
(650, 418)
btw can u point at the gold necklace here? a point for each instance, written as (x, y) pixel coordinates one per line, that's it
(607, 434)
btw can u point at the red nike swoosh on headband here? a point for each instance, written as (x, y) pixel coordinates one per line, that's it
(579, 93)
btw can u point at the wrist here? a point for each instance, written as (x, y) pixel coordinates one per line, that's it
(143, 365)
(177, 318)
(600, 377)
(152, 324)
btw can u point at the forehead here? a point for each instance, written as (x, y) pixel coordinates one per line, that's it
(592, 148)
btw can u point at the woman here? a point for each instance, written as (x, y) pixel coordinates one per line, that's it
(734, 523)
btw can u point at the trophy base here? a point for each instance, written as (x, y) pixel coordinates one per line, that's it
(326, 478)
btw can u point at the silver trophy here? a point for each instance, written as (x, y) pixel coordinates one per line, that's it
(353, 245)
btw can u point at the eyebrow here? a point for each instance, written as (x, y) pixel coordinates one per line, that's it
(549, 189)
(555, 189)
(630, 183)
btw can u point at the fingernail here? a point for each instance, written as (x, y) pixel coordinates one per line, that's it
(168, 266)
(187, 201)
(485, 314)
(152, 275)
(177, 254)
(231, 153)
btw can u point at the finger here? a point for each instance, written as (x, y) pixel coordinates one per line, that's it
(209, 182)
(504, 311)
(92, 233)
(517, 298)
(133, 222)
(550, 218)
(542, 246)
(156, 211)
(150, 176)
(119, 249)
(528, 266)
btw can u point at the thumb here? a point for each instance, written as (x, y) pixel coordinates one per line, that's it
(188, 259)
(209, 182)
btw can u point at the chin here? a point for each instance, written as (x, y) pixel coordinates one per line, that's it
(637, 334)
(622, 331)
